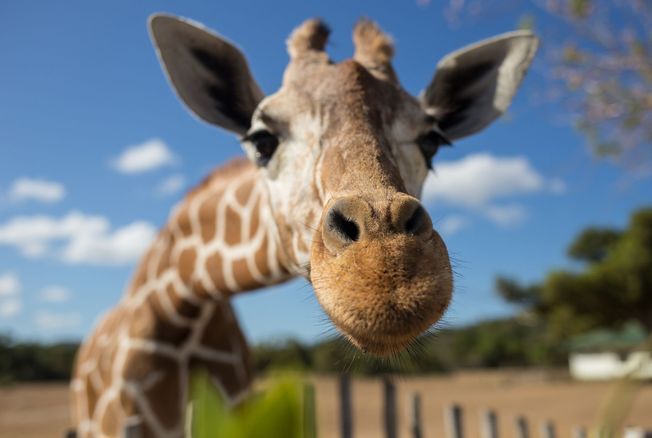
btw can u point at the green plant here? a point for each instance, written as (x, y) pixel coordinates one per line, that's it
(275, 413)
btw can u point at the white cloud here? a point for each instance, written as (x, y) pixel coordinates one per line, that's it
(144, 157)
(10, 307)
(55, 294)
(505, 215)
(57, 321)
(9, 285)
(41, 190)
(478, 181)
(124, 245)
(10, 303)
(452, 224)
(557, 186)
(171, 185)
(77, 238)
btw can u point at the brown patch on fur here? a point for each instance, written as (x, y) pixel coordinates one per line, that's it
(128, 404)
(243, 274)
(182, 221)
(111, 420)
(243, 192)
(207, 216)
(186, 264)
(221, 333)
(260, 258)
(143, 365)
(91, 394)
(232, 225)
(216, 333)
(166, 388)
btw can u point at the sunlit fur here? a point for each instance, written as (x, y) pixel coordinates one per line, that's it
(348, 131)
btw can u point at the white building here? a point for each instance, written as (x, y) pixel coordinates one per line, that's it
(609, 365)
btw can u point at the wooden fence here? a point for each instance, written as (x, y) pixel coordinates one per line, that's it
(454, 419)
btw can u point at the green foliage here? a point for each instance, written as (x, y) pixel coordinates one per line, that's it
(338, 355)
(276, 413)
(593, 244)
(515, 293)
(29, 361)
(512, 342)
(614, 287)
(289, 355)
(499, 343)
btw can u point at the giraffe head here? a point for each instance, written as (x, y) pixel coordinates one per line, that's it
(344, 151)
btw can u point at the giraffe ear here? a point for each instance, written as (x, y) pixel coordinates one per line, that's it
(209, 74)
(475, 85)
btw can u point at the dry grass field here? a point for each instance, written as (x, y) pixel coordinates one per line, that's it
(41, 411)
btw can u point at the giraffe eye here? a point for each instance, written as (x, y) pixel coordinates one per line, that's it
(265, 143)
(429, 143)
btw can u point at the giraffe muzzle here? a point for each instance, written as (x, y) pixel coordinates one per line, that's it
(353, 219)
(380, 271)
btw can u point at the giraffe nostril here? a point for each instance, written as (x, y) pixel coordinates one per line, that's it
(416, 221)
(345, 228)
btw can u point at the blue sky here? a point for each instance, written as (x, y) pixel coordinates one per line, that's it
(80, 86)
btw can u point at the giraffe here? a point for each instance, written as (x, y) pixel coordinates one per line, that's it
(335, 162)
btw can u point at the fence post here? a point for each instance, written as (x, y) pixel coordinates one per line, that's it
(548, 430)
(489, 424)
(346, 421)
(389, 392)
(522, 428)
(309, 423)
(415, 411)
(579, 432)
(454, 421)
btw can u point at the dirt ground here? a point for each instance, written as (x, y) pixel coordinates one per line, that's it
(41, 411)
(509, 394)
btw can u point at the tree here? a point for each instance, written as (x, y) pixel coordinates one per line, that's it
(615, 285)
(593, 244)
(600, 65)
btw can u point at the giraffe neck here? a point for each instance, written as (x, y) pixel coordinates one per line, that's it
(221, 240)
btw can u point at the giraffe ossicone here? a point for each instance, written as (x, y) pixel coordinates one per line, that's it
(336, 160)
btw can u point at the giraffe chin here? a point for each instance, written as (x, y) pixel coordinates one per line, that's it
(382, 294)
(379, 346)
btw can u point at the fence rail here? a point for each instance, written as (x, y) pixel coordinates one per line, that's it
(454, 419)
